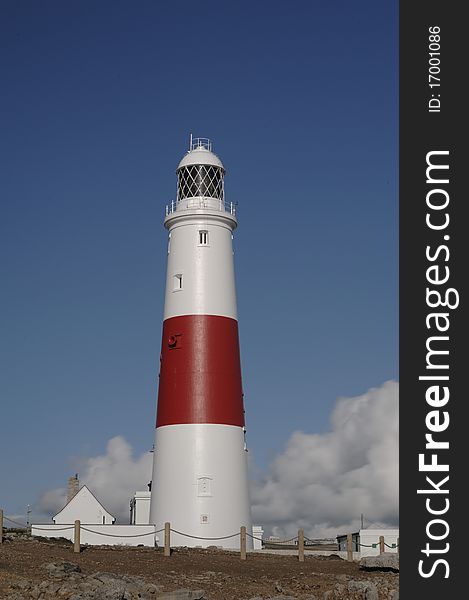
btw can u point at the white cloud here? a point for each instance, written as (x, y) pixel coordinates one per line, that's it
(323, 482)
(320, 483)
(53, 500)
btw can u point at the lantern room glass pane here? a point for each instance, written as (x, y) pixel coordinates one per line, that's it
(200, 180)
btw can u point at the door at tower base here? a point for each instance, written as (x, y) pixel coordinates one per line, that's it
(196, 487)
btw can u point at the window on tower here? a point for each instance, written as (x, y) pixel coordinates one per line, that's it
(203, 237)
(177, 282)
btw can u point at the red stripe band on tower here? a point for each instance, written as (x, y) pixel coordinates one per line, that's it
(200, 375)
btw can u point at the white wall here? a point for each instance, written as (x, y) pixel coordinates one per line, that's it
(368, 537)
(141, 508)
(97, 535)
(84, 507)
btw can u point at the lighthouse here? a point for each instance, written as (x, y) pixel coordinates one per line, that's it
(200, 478)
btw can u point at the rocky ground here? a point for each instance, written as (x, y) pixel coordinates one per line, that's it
(42, 569)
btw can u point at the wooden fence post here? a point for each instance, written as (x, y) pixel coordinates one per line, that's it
(349, 547)
(381, 544)
(76, 537)
(1, 526)
(167, 539)
(301, 545)
(242, 543)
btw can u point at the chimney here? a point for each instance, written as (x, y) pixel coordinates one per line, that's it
(73, 486)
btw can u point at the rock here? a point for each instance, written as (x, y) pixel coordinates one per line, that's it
(110, 586)
(339, 588)
(16, 596)
(61, 569)
(72, 585)
(183, 594)
(385, 561)
(284, 594)
(151, 588)
(393, 595)
(22, 584)
(367, 589)
(371, 592)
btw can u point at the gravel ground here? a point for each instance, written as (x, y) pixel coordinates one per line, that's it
(221, 574)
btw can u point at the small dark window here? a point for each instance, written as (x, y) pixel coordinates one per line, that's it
(203, 238)
(177, 282)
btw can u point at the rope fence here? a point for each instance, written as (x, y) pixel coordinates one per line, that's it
(53, 529)
(299, 540)
(254, 537)
(243, 535)
(209, 539)
(376, 544)
(284, 542)
(381, 544)
(22, 525)
(117, 536)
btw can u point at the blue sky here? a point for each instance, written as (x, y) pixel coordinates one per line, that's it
(98, 100)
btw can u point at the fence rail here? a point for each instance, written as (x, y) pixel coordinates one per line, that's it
(242, 533)
(299, 540)
(77, 528)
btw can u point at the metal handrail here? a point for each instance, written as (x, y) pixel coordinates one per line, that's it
(201, 202)
(200, 142)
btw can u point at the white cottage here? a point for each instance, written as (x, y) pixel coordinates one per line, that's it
(83, 506)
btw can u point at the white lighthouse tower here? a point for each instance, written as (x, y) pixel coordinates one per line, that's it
(200, 480)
